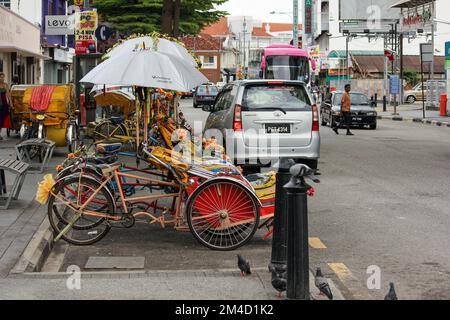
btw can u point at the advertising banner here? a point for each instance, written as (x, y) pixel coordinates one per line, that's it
(308, 16)
(85, 26)
(417, 18)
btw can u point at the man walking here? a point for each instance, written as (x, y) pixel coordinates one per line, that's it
(345, 111)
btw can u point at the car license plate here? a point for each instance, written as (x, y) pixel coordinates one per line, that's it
(357, 119)
(278, 128)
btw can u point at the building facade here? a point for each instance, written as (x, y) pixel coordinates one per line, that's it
(59, 68)
(20, 47)
(209, 51)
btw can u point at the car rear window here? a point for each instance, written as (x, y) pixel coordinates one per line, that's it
(207, 91)
(355, 98)
(289, 97)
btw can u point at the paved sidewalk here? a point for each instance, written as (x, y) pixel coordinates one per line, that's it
(151, 285)
(20, 222)
(414, 113)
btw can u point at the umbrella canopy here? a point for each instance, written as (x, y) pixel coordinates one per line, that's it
(146, 68)
(164, 46)
(115, 98)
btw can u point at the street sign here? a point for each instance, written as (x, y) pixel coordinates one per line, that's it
(426, 52)
(59, 25)
(103, 33)
(394, 84)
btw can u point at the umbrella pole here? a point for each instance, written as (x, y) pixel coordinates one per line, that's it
(146, 114)
(137, 104)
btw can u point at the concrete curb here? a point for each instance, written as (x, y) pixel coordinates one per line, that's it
(416, 120)
(37, 251)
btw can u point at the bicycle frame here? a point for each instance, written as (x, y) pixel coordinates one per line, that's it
(116, 176)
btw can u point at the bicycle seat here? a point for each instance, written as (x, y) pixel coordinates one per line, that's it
(116, 120)
(109, 148)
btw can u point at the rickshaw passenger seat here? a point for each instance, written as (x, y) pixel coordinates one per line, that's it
(109, 148)
(116, 120)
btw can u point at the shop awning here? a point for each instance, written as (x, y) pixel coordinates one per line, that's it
(23, 52)
(410, 3)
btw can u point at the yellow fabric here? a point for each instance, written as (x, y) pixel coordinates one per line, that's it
(44, 189)
(267, 190)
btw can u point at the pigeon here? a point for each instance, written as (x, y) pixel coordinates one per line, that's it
(279, 283)
(244, 266)
(391, 294)
(322, 284)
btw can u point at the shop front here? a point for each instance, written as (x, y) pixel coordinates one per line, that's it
(20, 49)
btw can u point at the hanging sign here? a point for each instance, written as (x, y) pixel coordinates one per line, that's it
(85, 26)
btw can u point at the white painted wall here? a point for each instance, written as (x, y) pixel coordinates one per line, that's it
(29, 9)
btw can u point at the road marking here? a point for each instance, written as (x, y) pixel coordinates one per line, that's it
(347, 278)
(316, 243)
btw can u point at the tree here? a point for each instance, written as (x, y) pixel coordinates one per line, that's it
(172, 17)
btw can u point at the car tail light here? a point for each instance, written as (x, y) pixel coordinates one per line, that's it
(315, 111)
(237, 123)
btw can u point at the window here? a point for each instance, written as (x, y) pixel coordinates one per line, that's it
(6, 3)
(289, 97)
(209, 62)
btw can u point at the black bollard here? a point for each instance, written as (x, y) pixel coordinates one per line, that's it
(376, 100)
(279, 237)
(297, 233)
(384, 103)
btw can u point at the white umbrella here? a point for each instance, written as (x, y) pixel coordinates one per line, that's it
(164, 46)
(146, 68)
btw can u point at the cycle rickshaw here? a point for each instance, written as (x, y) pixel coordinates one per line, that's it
(48, 112)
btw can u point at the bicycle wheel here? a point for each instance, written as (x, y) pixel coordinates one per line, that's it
(83, 229)
(108, 132)
(223, 215)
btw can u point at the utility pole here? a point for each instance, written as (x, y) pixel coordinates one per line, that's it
(295, 24)
(432, 36)
(245, 46)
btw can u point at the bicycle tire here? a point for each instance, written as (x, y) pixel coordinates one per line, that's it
(235, 202)
(58, 222)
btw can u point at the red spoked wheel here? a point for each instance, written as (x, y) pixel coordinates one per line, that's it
(222, 214)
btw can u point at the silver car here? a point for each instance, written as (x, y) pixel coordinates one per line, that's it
(261, 121)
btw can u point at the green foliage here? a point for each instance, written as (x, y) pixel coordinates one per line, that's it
(411, 77)
(144, 16)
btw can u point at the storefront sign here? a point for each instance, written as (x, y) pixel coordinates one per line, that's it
(417, 18)
(308, 16)
(85, 27)
(59, 25)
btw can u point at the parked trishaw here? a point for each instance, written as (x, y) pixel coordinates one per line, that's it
(18, 109)
(117, 122)
(48, 112)
(175, 183)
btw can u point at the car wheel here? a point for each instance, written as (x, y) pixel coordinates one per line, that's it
(411, 99)
(248, 170)
(373, 126)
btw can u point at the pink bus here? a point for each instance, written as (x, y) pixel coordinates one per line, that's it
(285, 62)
